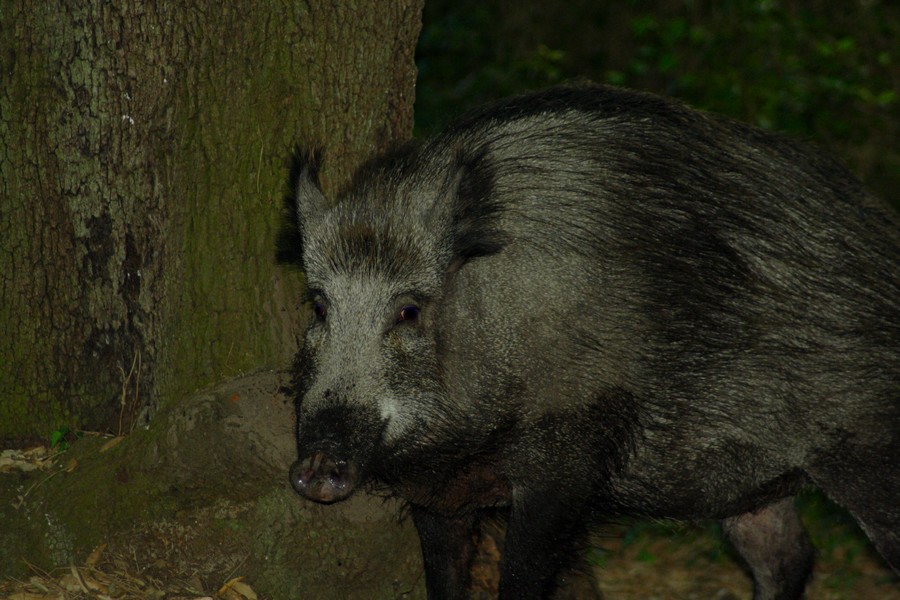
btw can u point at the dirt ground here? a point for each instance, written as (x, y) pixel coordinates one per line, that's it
(636, 562)
(186, 559)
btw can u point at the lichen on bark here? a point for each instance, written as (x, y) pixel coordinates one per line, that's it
(143, 151)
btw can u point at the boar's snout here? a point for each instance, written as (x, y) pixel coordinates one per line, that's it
(324, 478)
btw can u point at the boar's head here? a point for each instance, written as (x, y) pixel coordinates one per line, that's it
(372, 403)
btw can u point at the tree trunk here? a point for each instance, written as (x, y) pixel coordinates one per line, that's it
(143, 160)
(142, 164)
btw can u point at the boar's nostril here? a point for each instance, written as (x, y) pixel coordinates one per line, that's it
(322, 478)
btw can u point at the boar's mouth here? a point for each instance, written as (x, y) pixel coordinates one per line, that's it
(321, 477)
(342, 448)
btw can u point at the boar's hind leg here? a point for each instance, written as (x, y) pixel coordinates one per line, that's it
(772, 542)
(447, 551)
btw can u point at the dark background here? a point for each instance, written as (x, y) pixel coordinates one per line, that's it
(821, 70)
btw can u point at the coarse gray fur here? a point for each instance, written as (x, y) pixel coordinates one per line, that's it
(623, 306)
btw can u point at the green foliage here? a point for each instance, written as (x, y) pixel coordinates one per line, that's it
(461, 64)
(644, 538)
(817, 69)
(837, 538)
(58, 439)
(761, 61)
(597, 556)
(62, 438)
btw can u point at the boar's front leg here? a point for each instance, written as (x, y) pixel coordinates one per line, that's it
(542, 540)
(775, 546)
(577, 581)
(447, 550)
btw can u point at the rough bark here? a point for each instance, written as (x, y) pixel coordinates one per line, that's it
(142, 164)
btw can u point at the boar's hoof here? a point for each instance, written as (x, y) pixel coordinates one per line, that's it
(323, 478)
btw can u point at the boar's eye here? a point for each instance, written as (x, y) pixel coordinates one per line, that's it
(319, 310)
(410, 312)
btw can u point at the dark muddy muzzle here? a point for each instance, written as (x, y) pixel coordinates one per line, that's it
(335, 443)
(322, 477)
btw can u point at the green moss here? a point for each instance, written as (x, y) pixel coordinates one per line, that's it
(101, 496)
(18, 403)
(225, 315)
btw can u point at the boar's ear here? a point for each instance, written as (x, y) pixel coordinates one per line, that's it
(304, 200)
(475, 212)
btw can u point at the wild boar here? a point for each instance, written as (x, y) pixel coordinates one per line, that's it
(589, 302)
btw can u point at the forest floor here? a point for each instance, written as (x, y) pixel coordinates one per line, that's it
(678, 562)
(640, 562)
(637, 561)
